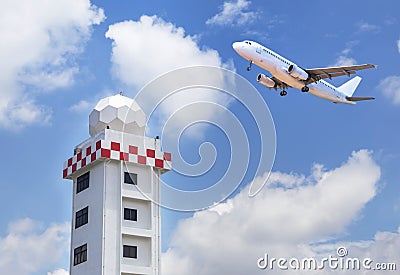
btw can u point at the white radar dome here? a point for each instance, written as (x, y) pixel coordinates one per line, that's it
(118, 113)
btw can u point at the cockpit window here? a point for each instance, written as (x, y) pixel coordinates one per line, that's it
(247, 42)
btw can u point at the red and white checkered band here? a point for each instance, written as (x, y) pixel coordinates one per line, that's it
(102, 149)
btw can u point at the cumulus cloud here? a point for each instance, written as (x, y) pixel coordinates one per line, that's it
(283, 219)
(145, 49)
(39, 42)
(50, 79)
(384, 248)
(233, 13)
(344, 61)
(343, 58)
(390, 87)
(30, 247)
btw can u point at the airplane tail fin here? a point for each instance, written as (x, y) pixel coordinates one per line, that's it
(350, 86)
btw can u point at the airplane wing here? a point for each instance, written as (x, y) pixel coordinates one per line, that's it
(280, 84)
(321, 73)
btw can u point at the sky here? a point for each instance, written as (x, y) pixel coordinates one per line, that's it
(335, 179)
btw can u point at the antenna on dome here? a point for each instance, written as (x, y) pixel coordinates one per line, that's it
(121, 93)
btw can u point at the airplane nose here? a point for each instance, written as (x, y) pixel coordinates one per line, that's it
(235, 45)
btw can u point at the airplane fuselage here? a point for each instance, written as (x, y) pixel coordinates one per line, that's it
(278, 67)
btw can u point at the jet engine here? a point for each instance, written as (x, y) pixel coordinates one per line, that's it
(266, 81)
(297, 72)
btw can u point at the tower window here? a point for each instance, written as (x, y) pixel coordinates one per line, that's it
(130, 178)
(82, 182)
(130, 214)
(81, 217)
(80, 254)
(130, 251)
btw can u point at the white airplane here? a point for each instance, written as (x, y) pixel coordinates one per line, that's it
(286, 74)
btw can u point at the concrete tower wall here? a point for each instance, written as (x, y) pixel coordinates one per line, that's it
(115, 223)
(89, 233)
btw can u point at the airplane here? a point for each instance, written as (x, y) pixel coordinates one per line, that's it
(286, 74)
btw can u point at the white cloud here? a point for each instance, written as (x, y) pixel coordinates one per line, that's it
(367, 27)
(344, 61)
(86, 105)
(39, 42)
(58, 272)
(398, 45)
(30, 247)
(390, 87)
(391, 21)
(233, 13)
(279, 220)
(81, 106)
(28, 112)
(145, 49)
(286, 180)
(51, 79)
(383, 248)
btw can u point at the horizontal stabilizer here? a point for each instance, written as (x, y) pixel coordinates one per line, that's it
(355, 98)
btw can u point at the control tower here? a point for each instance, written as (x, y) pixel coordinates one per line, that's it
(116, 180)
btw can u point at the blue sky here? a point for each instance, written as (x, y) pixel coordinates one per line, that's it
(336, 165)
